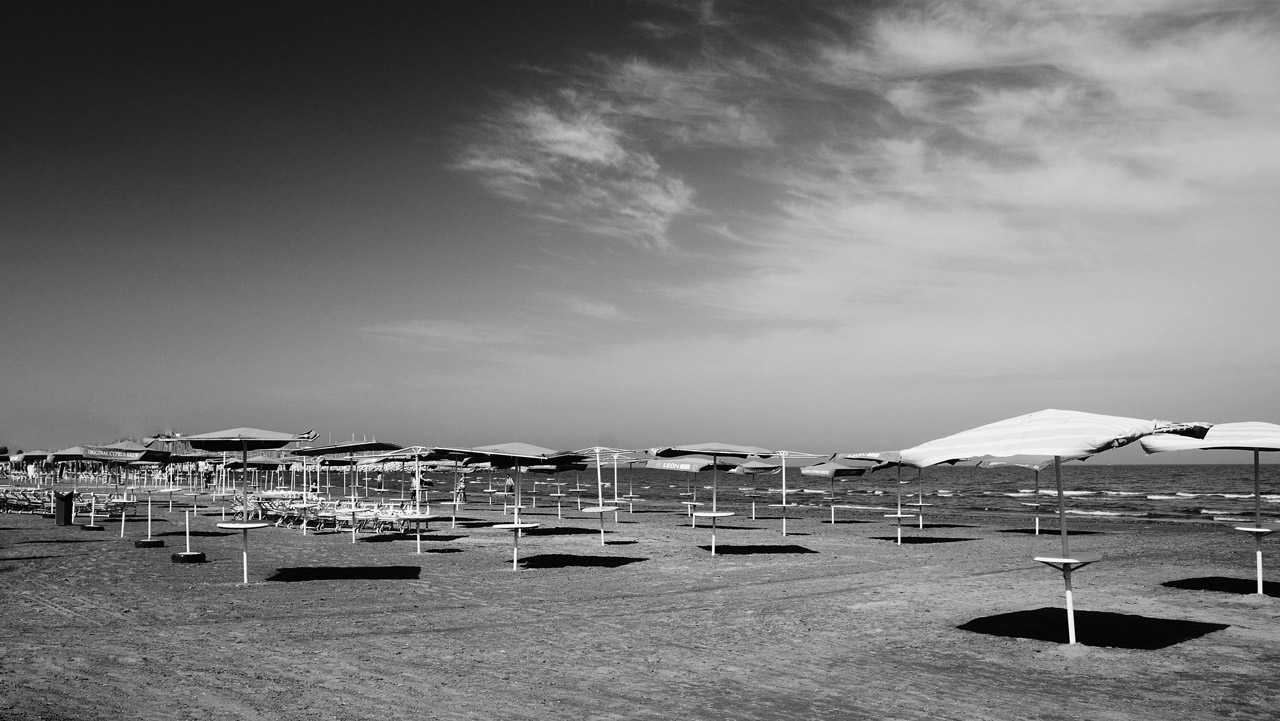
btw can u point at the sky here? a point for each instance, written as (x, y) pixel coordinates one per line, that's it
(815, 226)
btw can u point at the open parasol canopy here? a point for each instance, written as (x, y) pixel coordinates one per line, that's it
(242, 440)
(347, 448)
(713, 451)
(1253, 436)
(510, 455)
(1050, 433)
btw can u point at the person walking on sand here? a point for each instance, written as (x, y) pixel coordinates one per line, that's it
(509, 485)
(460, 491)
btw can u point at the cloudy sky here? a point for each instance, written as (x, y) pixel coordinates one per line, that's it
(824, 226)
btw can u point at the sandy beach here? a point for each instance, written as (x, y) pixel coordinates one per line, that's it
(828, 622)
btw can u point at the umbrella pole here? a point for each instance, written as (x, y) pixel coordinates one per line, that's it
(1066, 567)
(244, 474)
(833, 499)
(715, 481)
(1036, 507)
(920, 497)
(615, 487)
(1257, 516)
(784, 495)
(516, 509)
(899, 519)
(1257, 491)
(1062, 516)
(515, 544)
(1071, 611)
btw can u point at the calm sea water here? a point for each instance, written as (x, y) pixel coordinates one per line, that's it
(1153, 491)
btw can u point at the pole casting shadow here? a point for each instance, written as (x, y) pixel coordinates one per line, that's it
(1093, 628)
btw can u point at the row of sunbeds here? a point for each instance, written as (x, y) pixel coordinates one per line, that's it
(318, 515)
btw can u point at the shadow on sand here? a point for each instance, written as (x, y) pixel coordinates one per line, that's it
(386, 538)
(196, 534)
(565, 560)
(730, 550)
(344, 573)
(564, 531)
(920, 539)
(426, 537)
(1093, 628)
(1222, 584)
(1049, 532)
(67, 540)
(24, 558)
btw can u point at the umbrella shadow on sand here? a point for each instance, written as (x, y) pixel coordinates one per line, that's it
(200, 534)
(905, 540)
(761, 549)
(25, 558)
(562, 532)
(1050, 532)
(67, 540)
(344, 573)
(567, 560)
(1222, 584)
(1093, 628)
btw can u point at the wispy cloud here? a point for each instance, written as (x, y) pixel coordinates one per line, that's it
(571, 162)
(593, 309)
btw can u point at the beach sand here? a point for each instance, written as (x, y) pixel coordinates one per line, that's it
(830, 622)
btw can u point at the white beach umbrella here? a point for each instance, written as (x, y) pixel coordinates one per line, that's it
(1050, 433)
(1253, 436)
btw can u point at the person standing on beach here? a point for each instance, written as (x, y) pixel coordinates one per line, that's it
(460, 491)
(509, 485)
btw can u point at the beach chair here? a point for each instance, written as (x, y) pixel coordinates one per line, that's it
(276, 511)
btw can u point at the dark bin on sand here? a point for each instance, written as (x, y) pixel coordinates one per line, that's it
(62, 508)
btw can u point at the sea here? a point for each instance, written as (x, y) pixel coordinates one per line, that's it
(1192, 491)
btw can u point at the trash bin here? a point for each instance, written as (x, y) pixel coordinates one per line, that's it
(63, 504)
